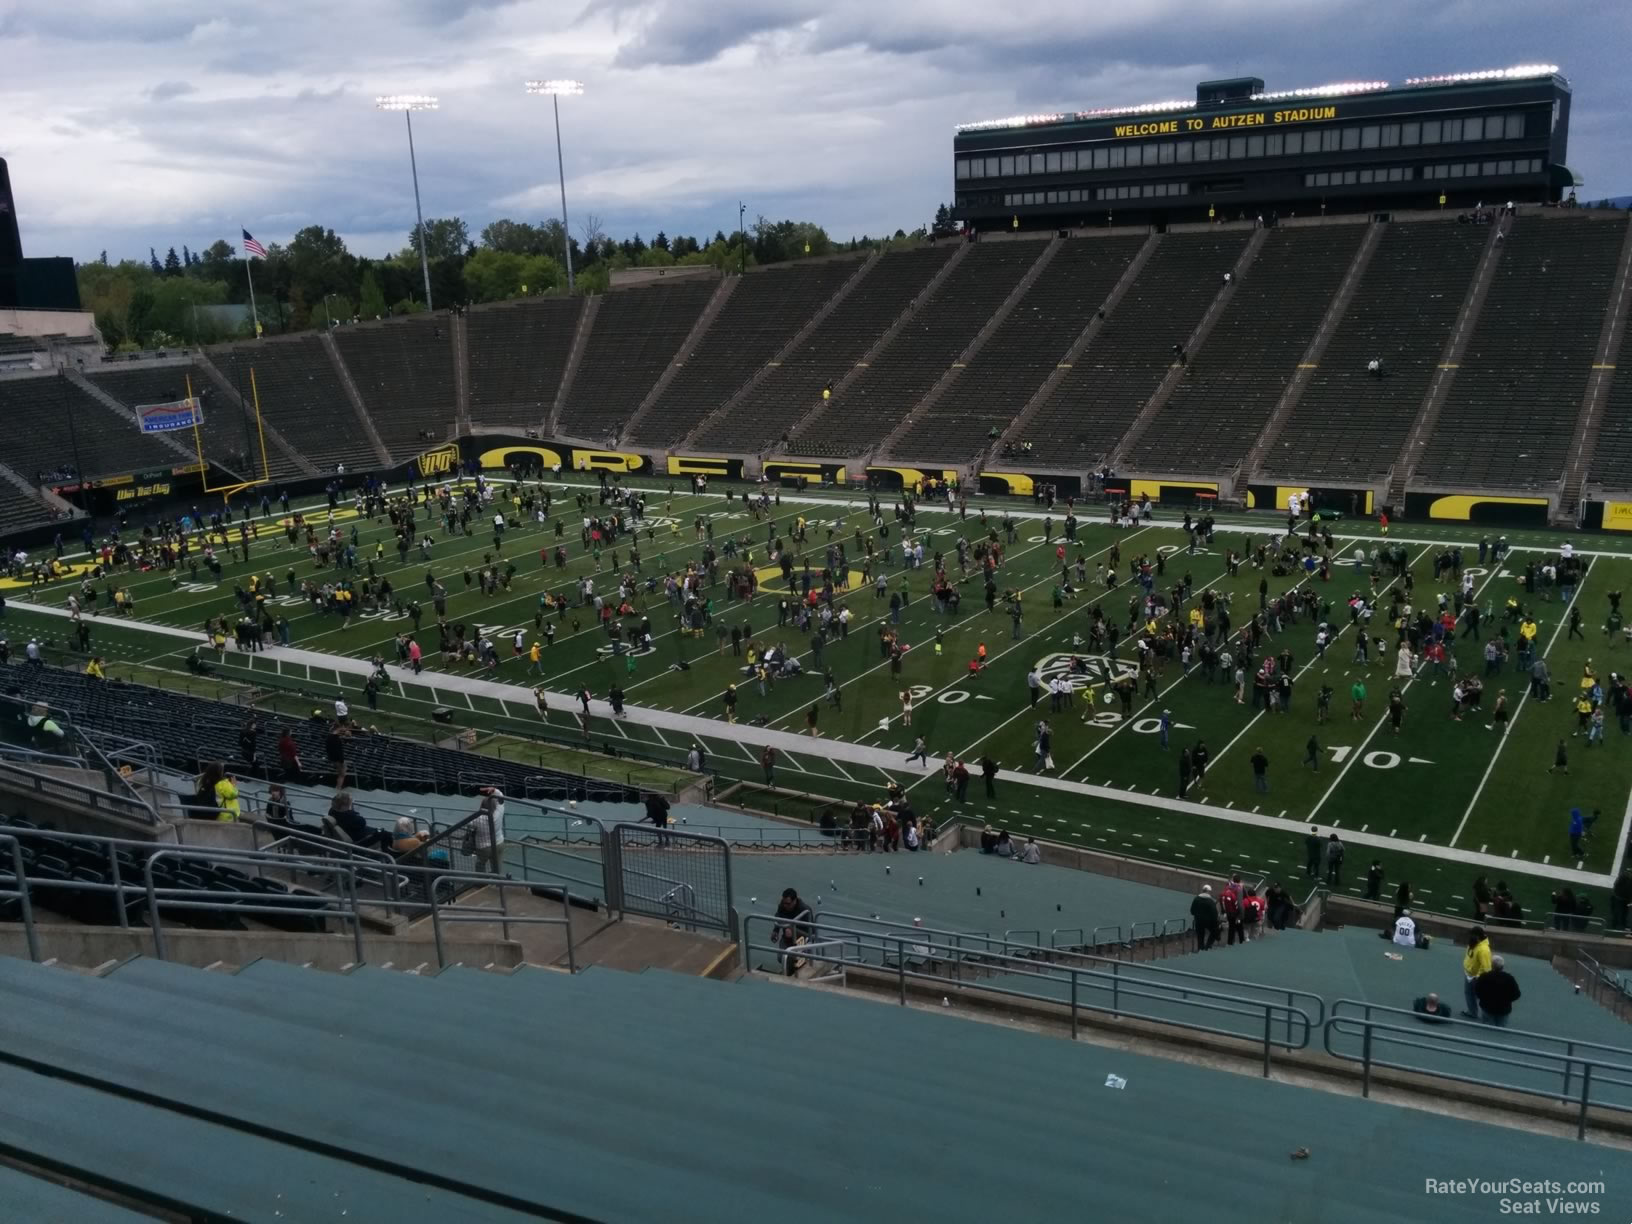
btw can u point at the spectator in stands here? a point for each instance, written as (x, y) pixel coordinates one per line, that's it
(1620, 899)
(94, 668)
(407, 839)
(1031, 853)
(1204, 918)
(348, 820)
(276, 808)
(289, 757)
(1405, 931)
(486, 836)
(794, 924)
(224, 793)
(1431, 1009)
(988, 840)
(1476, 962)
(1374, 367)
(1497, 991)
(45, 730)
(657, 810)
(334, 748)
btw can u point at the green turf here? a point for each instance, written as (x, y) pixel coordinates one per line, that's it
(1444, 782)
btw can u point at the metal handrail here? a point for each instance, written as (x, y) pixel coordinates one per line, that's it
(1577, 1058)
(123, 805)
(922, 936)
(1297, 1023)
(346, 906)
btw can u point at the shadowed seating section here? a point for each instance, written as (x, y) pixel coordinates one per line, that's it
(1510, 416)
(518, 353)
(52, 424)
(1349, 424)
(1020, 355)
(1087, 414)
(792, 391)
(1232, 384)
(864, 413)
(403, 369)
(636, 334)
(763, 313)
(344, 1129)
(301, 397)
(18, 509)
(1611, 462)
(188, 731)
(228, 437)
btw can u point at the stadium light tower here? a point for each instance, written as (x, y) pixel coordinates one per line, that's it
(408, 104)
(555, 89)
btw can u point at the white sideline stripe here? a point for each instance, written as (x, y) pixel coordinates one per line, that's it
(862, 754)
(1563, 618)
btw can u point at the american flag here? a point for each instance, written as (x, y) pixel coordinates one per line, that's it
(252, 247)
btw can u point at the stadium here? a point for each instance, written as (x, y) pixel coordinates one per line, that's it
(1167, 622)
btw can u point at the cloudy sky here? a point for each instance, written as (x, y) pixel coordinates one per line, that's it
(131, 124)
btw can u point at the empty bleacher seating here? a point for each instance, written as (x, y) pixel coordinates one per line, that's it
(636, 334)
(865, 412)
(301, 397)
(764, 312)
(1349, 425)
(228, 438)
(1231, 385)
(1510, 415)
(1022, 352)
(1611, 462)
(403, 369)
(517, 353)
(51, 424)
(1086, 415)
(18, 509)
(789, 393)
(188, 730)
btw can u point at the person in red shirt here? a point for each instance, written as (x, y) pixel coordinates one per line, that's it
(1382, 521)
(1252, 913)
(1229, 901)
(289, 757)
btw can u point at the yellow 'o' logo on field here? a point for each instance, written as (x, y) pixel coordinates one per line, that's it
(770, 579)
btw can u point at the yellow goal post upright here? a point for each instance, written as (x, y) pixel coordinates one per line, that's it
(227, 490)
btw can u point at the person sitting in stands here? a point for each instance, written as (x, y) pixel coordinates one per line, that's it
(350, 822)
(1031, 854)
(407, 838)
(988, 840)
(1004, 847)
(1405, 930)
(1431, 1009)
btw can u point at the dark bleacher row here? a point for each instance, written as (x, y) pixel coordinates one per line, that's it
(188, 731)
(1230, 388)
(864, 413)
(1511, 413)
(301, 397)
(517, 354)
(1022, 352)
(636, 335)
(1088, 413)
(1348, 424)
(761, 316)
(53, 863)
(51, 423)
(228, 433)
(403, 370)
(793, 391)
(1611, 464)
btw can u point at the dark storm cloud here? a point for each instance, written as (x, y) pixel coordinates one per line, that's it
(164, 91)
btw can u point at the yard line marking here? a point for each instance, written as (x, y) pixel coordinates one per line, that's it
(744, 751)
(1360, 752)
(504, 707)
(1545, 859)
(468, 701)
(1363, 827)
(1563, 618)
(840, 768)
(794, 761)
(658, 731)
(1340, 632)
(1483, 846)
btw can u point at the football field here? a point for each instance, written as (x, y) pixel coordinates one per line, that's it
(1466, 791)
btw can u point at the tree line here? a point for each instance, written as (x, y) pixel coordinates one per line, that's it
(314, 281)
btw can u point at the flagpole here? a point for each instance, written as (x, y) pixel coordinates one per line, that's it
(254, 315)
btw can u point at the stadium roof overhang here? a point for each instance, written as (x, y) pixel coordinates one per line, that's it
(1563, 177)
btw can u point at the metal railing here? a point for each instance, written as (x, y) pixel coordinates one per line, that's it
(90, 798)
(1140, 995)
(1604, 987)
(409, 890)
(1563, 1069)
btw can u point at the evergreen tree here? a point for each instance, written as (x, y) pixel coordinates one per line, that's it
(153, 262)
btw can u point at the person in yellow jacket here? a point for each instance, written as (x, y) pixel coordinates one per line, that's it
(93, 669)
(226, 799)
(1475, 963)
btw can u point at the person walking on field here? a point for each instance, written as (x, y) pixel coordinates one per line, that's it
(1260, 771)
(1334, 861)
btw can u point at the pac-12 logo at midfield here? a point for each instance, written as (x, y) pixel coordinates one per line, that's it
(1101, 670)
